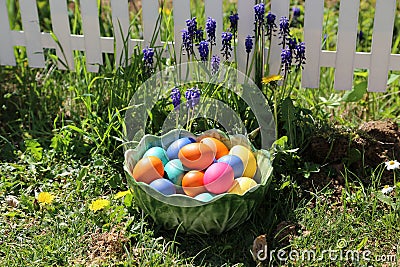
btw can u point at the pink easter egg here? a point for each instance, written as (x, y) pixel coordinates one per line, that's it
(218, 178)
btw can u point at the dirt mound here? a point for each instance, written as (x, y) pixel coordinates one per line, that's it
(360, 150)
(375, 141)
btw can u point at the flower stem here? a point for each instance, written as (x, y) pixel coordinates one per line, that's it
(293, 81)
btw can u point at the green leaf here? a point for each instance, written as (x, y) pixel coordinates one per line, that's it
(362, 243)
(289, 117)
(384, 199)
(33, 147)
(392, 78)
(357, 93)
(288, 110)
(280, 144)
(128, 200)
(285, 184)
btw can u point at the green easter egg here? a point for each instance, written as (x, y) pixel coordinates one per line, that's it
(174, 171)
(158, 152)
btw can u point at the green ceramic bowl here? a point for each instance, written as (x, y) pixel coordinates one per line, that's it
(189, 215)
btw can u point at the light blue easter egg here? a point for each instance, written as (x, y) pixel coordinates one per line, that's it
(235, 162)
(173, 149)
(158, 152)
(174, 171)
(164, 186)
(205, 197)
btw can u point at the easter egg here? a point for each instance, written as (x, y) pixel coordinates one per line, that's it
(205, 197)
(241, 185)
(173, 149)
(216, 145)
(174, 171)
(158, 152)
(148, 169)
(196, 156)
(235, 162)
(192, 183)
(218, 178)
(248, 159)
(163, 186)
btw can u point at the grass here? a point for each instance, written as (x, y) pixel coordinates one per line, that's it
(61, 132)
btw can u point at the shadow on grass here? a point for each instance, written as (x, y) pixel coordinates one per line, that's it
(234, 246)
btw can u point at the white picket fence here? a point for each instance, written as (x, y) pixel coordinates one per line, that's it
(379, 61)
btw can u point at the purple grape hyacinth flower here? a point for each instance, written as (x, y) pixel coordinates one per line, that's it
(148, 54)
(286, 59)
(300, 55)
(215, 61)
(176, 97)
(270, 24)
(199, 35)
(248, 44)
(211, 26)
(284, 30)
(187, 42)
(192, 27)
(234, 18)
(203, 50)
(226, 44)
(292, 43)
(259, 11)
(296, 12)
(192, 96)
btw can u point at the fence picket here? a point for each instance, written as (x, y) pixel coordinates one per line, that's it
(280, 8)
(346, 44)
(381, 45)
(151, 17)
(120, 21)
(60, 21)
(313, 19)
(181, 14)
(7, 49)
(245, 28)
(91, 33)
(30, 24)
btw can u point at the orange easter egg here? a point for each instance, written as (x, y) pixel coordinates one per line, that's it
(192, 183)
(196, 156)
(216, 145)
(148, 169)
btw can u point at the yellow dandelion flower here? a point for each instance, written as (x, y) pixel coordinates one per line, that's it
(45, 198)
(167, 11)
(99, 204)
(271, 78)
(122, 194)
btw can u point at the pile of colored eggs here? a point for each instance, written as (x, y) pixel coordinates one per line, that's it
(199, 169)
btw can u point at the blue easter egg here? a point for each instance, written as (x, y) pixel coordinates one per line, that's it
(235, 162)
(205, 197)
(164, 186)
(173, 149)
(174, 171)
(158, 152)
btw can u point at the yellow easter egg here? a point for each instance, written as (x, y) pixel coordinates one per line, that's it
(241, 185)
(249, 161)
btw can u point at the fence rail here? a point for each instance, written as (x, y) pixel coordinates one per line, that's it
(379, 61)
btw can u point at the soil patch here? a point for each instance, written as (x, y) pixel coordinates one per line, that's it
(361, 150)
